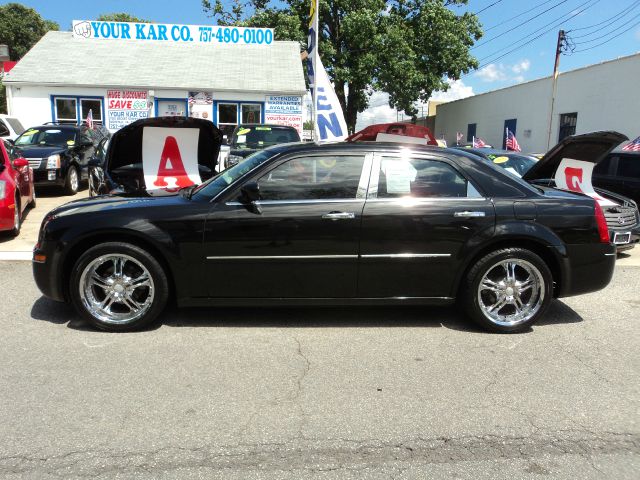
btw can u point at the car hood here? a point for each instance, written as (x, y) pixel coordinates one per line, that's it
(113, 202)
(588, 147)
(35, 151)
(125, 146)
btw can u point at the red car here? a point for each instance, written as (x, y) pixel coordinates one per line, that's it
(16, 187)
(371, 132)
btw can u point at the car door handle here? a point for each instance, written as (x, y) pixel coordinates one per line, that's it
(338, 216)
(467, 214)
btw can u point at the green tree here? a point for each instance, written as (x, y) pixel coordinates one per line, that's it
(407, 48)
(20, 28)
(120, 17)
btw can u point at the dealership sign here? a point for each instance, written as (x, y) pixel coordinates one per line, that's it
(284, 110)
(172, 33)
(125, 107)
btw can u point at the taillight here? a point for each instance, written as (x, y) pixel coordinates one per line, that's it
(603, 230)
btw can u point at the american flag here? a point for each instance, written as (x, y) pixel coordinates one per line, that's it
(90, 119)
(512, 143)
(478, 142)
(632, 146)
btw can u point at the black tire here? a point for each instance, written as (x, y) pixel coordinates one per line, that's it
(160, 285)
(472, 296)
(15, 231)
(72, 187)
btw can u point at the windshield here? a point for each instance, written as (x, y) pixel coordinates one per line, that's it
(256, 136)
(49, 137)
(217, 184)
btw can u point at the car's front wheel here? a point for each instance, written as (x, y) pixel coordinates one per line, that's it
(118, 287)
(72, 181)
(508, 290)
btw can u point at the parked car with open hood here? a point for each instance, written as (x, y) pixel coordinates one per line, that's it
(154, 144)
(59, 153)
(571, 163)
(329, 224)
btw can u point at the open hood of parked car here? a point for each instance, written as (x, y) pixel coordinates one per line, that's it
(588, 147)
(143, 147)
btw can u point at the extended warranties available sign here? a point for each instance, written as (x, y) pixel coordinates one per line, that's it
(172, 33)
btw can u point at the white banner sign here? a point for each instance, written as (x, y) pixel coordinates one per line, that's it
(172, 33)
(284, 110)
(125, 107)
(170, 159)
(575, 175)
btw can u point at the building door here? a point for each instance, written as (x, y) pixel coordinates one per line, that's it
(511, 125)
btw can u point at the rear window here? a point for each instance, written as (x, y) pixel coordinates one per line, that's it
(15, 125)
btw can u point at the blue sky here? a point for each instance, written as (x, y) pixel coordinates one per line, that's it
(533, 60)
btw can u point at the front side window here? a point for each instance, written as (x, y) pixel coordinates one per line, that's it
(421, 178)
(66, 110)
(313, 178)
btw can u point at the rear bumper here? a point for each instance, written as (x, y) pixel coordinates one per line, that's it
(587, 268)
(6, 217)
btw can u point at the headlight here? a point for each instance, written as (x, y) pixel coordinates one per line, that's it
(53, 162)
(3, 188)
(234, 160)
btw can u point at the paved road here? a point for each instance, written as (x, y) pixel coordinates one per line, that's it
(367, 393)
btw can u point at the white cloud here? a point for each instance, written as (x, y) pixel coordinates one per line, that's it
(499, 72)
(380, 112)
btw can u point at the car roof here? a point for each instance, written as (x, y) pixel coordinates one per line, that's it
(59, 126)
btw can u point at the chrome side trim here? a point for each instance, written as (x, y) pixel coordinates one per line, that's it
(610, 254)
(278, 257)
(427, 199)
(297, 202)
(406, 255)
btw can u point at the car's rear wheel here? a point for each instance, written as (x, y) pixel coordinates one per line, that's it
(508, 290)
(17, 218)
(72, 181)
(118, 287)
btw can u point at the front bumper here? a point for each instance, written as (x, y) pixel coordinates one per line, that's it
(43, 177)
(49, 274)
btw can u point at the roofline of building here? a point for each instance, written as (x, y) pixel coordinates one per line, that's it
(544, 78)
(9, 83)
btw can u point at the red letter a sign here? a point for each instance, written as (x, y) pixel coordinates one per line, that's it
(171, 165)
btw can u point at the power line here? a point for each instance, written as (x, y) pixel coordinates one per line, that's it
(606, 22)
(609, 39)
(527, 38)
(555, 25)
(608, 33)
(487, 7)
(531, 19)
(517, 16)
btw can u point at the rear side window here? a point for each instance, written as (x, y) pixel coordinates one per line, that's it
(421, 178)
(15, 124)
(629, 166)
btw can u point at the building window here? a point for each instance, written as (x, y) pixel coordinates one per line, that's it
(471, 132)
(568, 123)
(227, 117)
(93, 105)
(171, 107)
(251, 113)
(66, 110)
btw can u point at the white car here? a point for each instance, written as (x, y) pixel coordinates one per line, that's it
(10, 127)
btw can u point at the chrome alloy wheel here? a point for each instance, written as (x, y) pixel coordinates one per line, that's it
(116, 289)
(73, 179)
(511, 292)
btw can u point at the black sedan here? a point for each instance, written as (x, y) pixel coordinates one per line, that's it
(334, 224)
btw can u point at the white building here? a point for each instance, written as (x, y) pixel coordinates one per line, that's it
(64, 76)
(597, 97)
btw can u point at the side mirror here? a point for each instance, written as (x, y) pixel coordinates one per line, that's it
(20, 162)
(250, 194)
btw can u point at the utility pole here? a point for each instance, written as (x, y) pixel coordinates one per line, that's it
(561, 38)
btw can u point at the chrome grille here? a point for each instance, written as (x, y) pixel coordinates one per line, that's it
(621, 217)
(35, 162)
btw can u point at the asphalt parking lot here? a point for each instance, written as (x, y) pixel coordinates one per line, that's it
(334, 393)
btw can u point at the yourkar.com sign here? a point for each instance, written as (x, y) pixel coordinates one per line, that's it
(172, 33)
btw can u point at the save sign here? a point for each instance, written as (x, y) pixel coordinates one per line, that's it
(170, 159)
